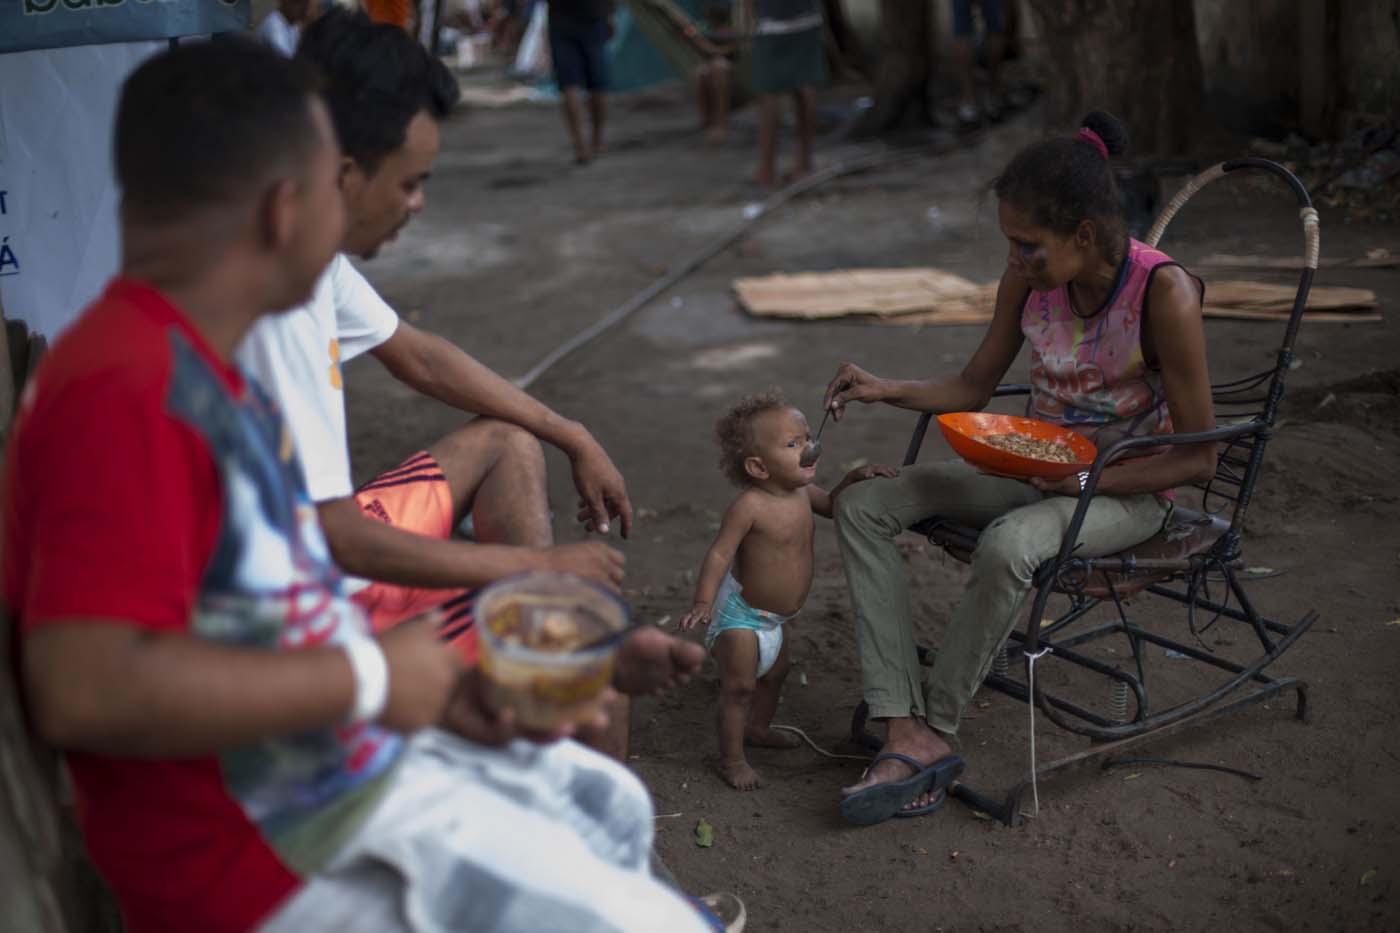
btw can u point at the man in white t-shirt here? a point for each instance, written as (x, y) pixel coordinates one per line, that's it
(395, 531)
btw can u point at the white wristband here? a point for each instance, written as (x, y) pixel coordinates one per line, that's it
(371, 678)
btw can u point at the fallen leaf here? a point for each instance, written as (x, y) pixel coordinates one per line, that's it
(1132, 777)
(1368, 877)
(663, 621)
(1172, 863)
(921, 850)
(984, 704)
(1393, 622)
(953, 856)
(855, 464)
(704, 834)
(978, 814)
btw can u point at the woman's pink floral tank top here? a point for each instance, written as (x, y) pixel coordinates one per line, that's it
(1089, 373)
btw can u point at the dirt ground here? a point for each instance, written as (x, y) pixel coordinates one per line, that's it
(518, 250)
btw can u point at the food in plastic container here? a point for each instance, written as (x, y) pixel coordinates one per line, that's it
(1023, 445)
(533, 627)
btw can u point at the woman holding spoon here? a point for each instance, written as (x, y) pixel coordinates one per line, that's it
(1118, 349)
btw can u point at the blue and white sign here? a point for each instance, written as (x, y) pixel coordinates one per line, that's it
(47, 24)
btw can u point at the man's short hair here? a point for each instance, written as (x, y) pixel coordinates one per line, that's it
(205, 123)
(377, 80)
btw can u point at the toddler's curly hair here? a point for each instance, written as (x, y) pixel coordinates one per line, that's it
(735, 435)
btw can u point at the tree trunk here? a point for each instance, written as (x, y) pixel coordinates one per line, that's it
(1137, 59)
(903, 70)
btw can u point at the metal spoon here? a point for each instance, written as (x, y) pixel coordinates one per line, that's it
(813, 451)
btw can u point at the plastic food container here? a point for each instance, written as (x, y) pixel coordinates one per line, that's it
(965, 432)
(531, 627)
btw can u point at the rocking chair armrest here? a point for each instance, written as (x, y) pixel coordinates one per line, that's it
(1115, 452)
(916, 441)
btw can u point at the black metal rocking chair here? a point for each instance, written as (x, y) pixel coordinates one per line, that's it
(1179, 564)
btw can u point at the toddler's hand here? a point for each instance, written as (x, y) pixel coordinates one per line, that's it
(699, 614)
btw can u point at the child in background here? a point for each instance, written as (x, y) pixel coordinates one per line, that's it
(789, 57)
(758, 571)
(714, 79)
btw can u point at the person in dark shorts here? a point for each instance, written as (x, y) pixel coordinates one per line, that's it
(965, 58)
(578, 34)
(788, 58)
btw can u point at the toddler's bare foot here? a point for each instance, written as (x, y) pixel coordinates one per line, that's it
(738, 775)
(768, 737)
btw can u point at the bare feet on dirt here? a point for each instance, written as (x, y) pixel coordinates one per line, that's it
(906, 736)
(768, 737)
(739, 775)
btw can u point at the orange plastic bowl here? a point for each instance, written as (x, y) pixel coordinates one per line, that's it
(965, 430)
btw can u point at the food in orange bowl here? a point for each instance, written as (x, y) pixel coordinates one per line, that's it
(1019, 447)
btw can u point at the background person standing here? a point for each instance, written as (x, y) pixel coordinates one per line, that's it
(578, 37)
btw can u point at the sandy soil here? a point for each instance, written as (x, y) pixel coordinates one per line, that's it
(519, 250)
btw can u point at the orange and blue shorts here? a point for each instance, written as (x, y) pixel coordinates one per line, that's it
(414, 497)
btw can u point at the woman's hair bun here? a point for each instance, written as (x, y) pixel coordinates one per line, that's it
(1110, 130)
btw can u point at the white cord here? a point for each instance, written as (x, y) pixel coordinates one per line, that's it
(1030, 684)
(817, 748)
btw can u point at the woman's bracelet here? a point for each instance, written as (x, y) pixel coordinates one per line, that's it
(371, 672)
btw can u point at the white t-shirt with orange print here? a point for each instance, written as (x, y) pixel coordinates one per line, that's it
(296, 357)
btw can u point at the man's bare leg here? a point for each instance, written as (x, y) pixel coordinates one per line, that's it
(804, 103)
(905, 735)
(572, 105)
(767, 140)
(597, 115)
(497, 471)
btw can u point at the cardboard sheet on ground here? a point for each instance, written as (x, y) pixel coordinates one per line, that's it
(927, 296)
(894, 293)
(1379, 258)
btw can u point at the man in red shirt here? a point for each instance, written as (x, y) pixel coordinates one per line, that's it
(238, 740)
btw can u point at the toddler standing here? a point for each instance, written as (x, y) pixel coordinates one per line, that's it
(758, 571)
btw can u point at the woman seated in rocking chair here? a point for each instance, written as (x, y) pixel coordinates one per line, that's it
(1117, 349)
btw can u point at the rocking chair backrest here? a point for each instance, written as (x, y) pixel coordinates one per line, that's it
(1255, 398)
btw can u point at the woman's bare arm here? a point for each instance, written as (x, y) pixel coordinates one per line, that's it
(967, 390)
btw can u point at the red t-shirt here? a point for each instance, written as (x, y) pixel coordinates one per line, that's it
(117, 508)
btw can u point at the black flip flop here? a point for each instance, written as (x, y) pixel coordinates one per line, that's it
(880, 802)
